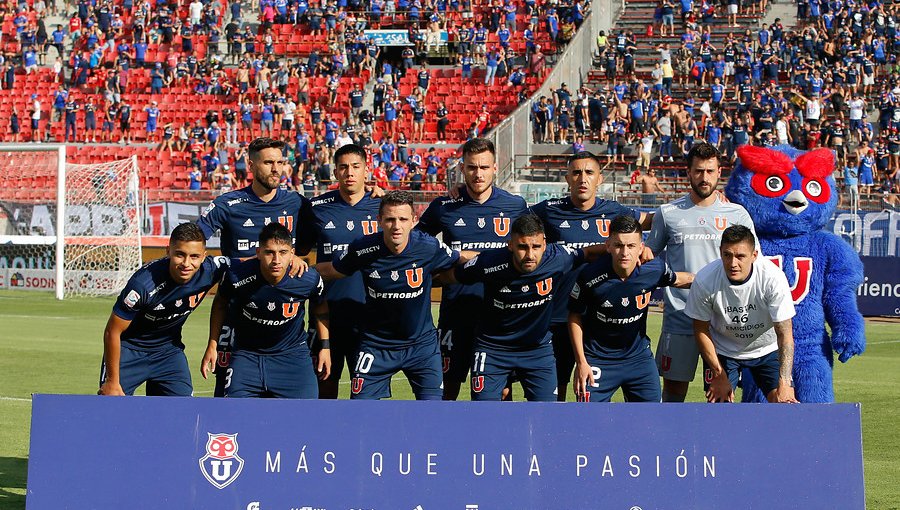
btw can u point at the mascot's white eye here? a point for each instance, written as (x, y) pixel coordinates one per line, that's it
(813, 189)
(775, 184)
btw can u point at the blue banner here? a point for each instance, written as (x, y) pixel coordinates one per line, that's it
(397, 37)
(153, 453)
(880, 292)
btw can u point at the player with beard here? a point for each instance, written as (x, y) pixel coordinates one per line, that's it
(688, 232)
(478, 218)
(579, 220)
(241, 214)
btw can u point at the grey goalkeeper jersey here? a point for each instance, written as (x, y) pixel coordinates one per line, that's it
(689, 238)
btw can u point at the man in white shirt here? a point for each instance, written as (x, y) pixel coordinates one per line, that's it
(742, 311)
(857, 108)
(813, 110)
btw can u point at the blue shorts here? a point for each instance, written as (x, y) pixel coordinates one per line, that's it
(420, 363)
(637, 376)
(765, 371)
(285, 375)
(866, 178)
(457, 344)
(534, 368)
(165, 371)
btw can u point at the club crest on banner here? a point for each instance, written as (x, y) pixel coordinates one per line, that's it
(221, 465)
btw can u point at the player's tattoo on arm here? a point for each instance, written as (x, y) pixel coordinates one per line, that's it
(785, 336)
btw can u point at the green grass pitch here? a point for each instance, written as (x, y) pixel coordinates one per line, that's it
(47, 346)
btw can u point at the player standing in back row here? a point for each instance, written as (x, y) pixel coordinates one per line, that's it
(339, 217)
(576, 221)
(689, 231)
(241, 214)
(479, 219)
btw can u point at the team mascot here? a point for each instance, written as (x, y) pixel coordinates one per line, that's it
(790, 194)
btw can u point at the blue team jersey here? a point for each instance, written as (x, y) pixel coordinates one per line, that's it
(241, 215)
(336, 224)
(518, 307)
(268, 319)
(570, 226)
(398, 287)
(614, 311)
(470, 225)
(157, 306)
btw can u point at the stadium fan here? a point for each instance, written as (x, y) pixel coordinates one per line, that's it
(607, 318)
(142, 341)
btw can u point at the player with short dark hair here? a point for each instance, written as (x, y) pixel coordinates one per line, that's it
(142, 341)
(581, 219)
(265, 305)
(397, 331)
(478, 219)
(742, 310)
(240, 214)
(339, 217)
(608, 318)
(687, 231)
(512, 334)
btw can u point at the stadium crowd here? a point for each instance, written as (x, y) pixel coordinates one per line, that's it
(814, 85)
(234, 56)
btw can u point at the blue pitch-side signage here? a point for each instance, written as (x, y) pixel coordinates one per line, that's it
(880, 292)
(153, 453)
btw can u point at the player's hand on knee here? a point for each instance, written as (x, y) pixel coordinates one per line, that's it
(783, 394)
(208, 362)
(323, 364)
(720, 389)
(298, 266)
(583, 377)
(111, 388)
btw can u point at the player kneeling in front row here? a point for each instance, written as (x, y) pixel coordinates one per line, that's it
(265, 306)
(396, 329)
(608, 310)
(142, 340)
(742, 311)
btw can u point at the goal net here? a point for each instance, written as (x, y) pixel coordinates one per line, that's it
(94, 206)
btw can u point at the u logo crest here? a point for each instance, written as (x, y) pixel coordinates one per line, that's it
(544, 287)
(289, 309)
(196, 299)
(721, 222)
(369, 226)
(414, 277)
(802, 273)
(603, 227)
(642, 300)
(287, 221)
(501, 226)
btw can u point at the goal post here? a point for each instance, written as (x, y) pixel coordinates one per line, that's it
(70, 228)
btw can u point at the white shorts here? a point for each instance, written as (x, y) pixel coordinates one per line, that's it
(676, 357)
(729, 68)
(732, 8)
(868, 79)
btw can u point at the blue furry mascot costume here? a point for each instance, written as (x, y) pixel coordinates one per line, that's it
(790, 194)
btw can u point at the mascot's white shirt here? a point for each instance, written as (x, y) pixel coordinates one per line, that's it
(741, 316)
